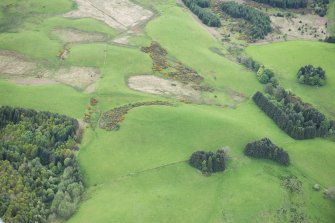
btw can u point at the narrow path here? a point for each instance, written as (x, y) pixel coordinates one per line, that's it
(106, 14)
(131, 174)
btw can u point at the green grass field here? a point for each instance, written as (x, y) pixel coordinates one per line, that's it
(286, 59)
(140, 173)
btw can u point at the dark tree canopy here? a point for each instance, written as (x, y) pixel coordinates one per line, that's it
(320, 7)
(285, 3)
(40, 176)
(265, 149)
(296, 118)
(260, 23)
(205, 15)
(311, 76)
(208, 162)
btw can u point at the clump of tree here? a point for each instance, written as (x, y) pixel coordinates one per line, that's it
(298, 119)
(198, 7)
(208, 162)
(311, 76)
(320, 7)
(285, 3)
(260, 23)
(265, 149)
(248, 62)
(265, 75)
(40, 176)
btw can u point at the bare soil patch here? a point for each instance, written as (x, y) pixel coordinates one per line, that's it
(76, 36)
(159, 86)
(122, 40)
(14, 64)
(311, 27)
(119, 14)
(80, 78)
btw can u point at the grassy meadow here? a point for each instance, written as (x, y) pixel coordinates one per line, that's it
(286, 58)
(139, 173)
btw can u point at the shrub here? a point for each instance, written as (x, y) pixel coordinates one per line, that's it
(330, 193)
(311, 76)
(330, 39)
(208, 162)
(264, 75)
(265, 149)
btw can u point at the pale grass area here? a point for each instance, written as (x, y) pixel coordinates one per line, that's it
(119, 14)
(159, 86)
(77, 36)
(24, 72)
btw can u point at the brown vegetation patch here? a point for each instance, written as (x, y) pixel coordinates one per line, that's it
(111, 120)
(169, 88)
(171, 68)
(14, 64)
(119, 14)
(76, 36)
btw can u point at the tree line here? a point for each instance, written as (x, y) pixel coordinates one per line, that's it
(265, 149)
(296, 118)
(40, 176)
(260, 23)
(208, 162)
(198, 7)
(285, 3)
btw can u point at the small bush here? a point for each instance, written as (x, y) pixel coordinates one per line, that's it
(330, 193)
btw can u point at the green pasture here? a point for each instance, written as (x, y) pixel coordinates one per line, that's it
(286, 58)
(140, 173)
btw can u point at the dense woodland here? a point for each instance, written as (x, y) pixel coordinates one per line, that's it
(40, 176)
(208, 162)
(285, 3)
(311, 76)
(296, 118)
(265, 149)
(200, 8)
(260, 23)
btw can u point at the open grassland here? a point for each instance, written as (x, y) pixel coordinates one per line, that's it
(139, 173)
(331, 17)
(286, 59)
